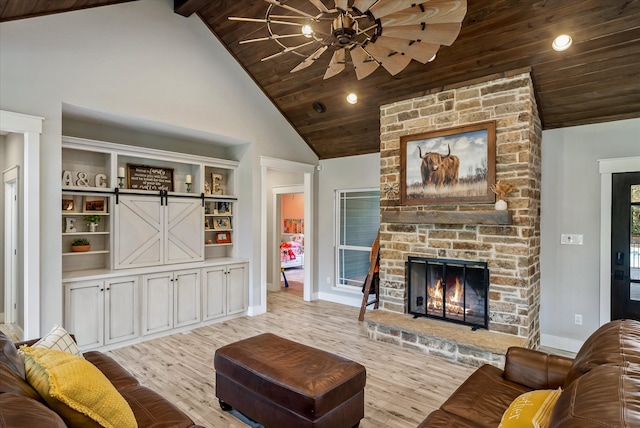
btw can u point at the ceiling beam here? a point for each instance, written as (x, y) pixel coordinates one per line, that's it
(187, 7)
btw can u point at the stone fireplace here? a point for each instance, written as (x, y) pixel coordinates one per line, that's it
(507, 241)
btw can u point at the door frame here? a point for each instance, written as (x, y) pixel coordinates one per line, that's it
(607, 168)
(10, 178)
(31, 128)
(308, 170)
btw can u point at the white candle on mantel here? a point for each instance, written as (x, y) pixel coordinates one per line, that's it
(121, 171)
(188, 180)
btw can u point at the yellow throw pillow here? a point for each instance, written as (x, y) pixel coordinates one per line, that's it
(76, 389)
(531, 409)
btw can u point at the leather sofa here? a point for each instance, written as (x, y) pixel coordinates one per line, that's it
(22, 406)
(600, 386)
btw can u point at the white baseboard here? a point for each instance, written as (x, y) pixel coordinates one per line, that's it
(563, 343)
(343, 300)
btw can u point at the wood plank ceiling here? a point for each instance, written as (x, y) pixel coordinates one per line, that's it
(596, 80)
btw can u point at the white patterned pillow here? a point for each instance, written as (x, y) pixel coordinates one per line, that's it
(59, 339)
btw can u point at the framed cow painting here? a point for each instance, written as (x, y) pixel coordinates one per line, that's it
(451, 166)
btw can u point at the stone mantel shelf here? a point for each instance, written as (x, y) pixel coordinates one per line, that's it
(447, 217)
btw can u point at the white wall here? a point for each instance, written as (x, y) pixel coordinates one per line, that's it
(571, 204)
(138, 60)
(354, 172)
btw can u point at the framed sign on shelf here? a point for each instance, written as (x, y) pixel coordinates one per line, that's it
(223, 238)
(95, 204)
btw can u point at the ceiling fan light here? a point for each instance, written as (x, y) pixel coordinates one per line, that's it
(562, 42)
(432, 58)
(307, 31)
(352, 98)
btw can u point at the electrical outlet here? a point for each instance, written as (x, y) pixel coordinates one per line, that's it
(328, 280)
(578, 319)
(571, 239)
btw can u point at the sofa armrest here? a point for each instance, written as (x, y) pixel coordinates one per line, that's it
(535, 369)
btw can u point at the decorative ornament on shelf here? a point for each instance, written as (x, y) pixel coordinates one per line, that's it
(391, 190)
(502, 190)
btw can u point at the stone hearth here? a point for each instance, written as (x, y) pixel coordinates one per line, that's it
(510, 244)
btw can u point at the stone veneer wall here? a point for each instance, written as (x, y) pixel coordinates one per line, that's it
(511, 251)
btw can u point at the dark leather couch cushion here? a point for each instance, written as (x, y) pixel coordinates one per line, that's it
(442, 419)
(152, 410)
(12, 383)
(9, 356)
(483, 397)
(306, 380)
(118, 375)
(606, 396)
(19, 411)
(616, 342)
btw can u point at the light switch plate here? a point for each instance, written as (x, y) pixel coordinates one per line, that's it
(571, 239)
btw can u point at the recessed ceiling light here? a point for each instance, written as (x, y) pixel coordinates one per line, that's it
(352, 98)
(562, 42)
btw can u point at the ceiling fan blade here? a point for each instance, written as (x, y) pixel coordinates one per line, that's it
(264, 21)
(362, 62)
(363, 5)
(321, 7)
(292, 9)
(273, 37)
(309, 60)
(441, 34)
(337, 63)
(393, 62)
(342, 4)
(289, 49)
(384, 8)
(436, 12)
(420, 51)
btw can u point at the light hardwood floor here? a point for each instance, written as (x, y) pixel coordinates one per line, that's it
(403, 385)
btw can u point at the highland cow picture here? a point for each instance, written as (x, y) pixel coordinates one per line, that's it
(451, 166)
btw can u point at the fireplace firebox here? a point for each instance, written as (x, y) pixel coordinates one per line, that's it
(451, 290)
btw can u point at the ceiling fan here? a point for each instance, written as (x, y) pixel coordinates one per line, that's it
(366, 33)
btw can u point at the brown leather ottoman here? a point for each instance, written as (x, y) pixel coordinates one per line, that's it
(281, 383)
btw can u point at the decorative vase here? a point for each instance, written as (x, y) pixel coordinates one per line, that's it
(93, 227)
(501, 205)
(80, 248)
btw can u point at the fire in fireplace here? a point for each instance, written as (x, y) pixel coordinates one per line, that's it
(451, 290)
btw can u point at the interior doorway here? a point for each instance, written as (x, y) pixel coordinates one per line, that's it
(625, 246)
(290, 245)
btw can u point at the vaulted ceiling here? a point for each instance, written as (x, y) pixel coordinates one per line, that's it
(595, 80)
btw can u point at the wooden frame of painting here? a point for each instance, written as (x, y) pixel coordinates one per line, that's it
(451, 166)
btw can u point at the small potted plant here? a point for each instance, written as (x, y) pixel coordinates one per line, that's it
(502, 190)
(93, 222)
(80, 245)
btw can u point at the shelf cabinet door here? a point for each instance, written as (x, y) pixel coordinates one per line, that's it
(139, 226)
(214, 292)
(157, 302)
(237, 288)
(121, 309)
(186, 285)
(184, 232)
(84, 313)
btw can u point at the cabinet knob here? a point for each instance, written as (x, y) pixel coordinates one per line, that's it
(102, 289)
